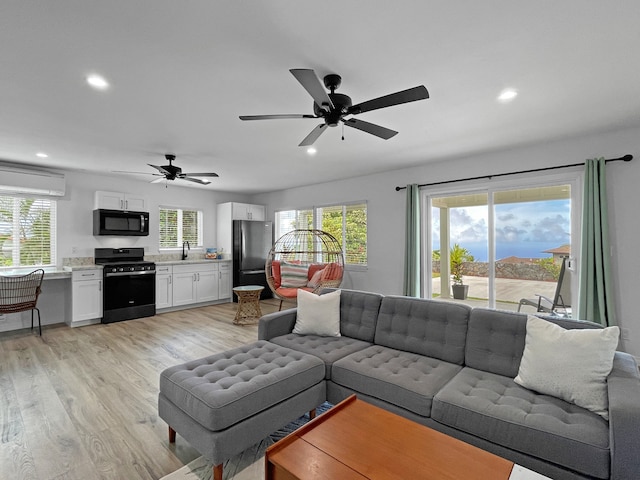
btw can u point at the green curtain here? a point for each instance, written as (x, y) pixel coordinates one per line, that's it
(412, 243)
(595, 302)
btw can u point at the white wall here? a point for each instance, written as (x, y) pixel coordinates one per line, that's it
(75, 212)
(386, 209)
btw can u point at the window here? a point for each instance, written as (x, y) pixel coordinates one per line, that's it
(512, 237)
(348, 223)
(27, 231)
(178, 225)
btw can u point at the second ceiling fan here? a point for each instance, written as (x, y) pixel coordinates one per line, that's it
(333, 107)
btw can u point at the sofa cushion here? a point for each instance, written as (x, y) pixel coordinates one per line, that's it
(427, 327)
(358, 313)
(328, 349)
(223, 389)
(407, 380)
(495, 339)
(493, 407)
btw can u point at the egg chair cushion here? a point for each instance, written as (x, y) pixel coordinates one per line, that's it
(294, 275)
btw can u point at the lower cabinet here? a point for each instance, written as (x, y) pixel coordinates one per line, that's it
(86, 297)
(187, 284)
(164, 286)
(224, 287)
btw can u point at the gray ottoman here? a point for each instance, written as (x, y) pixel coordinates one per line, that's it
(224, 403)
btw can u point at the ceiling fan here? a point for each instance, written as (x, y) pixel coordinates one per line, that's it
(172, 172)
(333, 107)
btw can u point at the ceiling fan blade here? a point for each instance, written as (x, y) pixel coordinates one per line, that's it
(210, 174)
(275, 117)
(160, 169)
(405, 96)
(313, 136)
(311, 83)
(133, 173)
(195, 180)
(371, 128)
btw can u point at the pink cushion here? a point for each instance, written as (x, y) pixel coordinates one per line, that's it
(275, 272)
(290, 292)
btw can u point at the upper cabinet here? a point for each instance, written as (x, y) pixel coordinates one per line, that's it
(230, 211)
(245, 211)
(120, 201)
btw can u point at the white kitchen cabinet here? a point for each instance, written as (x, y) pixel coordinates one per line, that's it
(86, 297)
(224, 287)
(120, 201)
(227, 213)
(246, 211)
(195, 283)
(164, 286)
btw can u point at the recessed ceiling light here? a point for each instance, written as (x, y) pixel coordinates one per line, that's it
(311, 151)
(42, 155)
(98, 82)
(507, 95)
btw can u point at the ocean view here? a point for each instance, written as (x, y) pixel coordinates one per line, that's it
(503, 250)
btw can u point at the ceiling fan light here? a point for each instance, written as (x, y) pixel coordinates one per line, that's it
(311, 151)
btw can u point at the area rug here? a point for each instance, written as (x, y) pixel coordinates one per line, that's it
(248, 465)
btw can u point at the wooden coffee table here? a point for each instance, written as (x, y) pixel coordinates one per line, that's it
(358, 441)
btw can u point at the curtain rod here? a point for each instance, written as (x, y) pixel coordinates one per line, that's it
(625, 158)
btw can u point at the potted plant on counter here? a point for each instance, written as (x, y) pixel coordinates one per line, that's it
(457, 257)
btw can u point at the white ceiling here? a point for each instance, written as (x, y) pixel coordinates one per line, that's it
(181, 73)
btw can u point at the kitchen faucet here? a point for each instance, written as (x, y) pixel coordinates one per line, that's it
(184, 253)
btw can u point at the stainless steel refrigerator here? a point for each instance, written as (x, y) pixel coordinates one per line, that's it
(252, 240)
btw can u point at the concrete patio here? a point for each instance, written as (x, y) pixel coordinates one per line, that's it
(509, 291)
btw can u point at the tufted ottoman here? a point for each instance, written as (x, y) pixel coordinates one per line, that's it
(224, 403)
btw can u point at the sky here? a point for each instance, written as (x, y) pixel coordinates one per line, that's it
(523, 229)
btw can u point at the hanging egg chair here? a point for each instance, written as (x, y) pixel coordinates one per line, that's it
(304, 259)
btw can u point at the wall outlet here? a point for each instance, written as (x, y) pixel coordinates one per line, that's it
(624, 333)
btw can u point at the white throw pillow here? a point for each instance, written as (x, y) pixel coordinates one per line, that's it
(318, 314)
(569, 364)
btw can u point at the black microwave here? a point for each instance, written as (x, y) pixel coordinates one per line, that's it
(119, 222)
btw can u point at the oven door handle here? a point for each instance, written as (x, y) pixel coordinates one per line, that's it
(126, 274)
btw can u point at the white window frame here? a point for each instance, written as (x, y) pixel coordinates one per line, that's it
(200, 226)
(53, 209)
(541, 179)
(317, 216)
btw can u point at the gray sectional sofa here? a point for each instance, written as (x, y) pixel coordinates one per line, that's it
(452, 368)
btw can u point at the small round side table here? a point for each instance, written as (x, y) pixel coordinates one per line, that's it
(248, 304)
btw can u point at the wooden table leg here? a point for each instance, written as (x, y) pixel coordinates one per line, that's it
(217, 472)
(172, 435)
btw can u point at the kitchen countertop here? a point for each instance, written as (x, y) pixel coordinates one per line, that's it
(50, 273)
(54, 273)
(190, 261)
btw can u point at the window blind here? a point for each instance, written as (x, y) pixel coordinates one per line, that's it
(178, 225)
(27, 231)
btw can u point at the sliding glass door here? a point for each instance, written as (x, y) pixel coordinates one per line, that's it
(493, 246)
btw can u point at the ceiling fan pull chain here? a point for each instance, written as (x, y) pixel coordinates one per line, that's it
(343, 132)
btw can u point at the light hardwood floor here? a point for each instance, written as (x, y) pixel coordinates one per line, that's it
(81, 403)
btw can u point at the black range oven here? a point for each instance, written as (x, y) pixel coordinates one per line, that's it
(129, 284)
